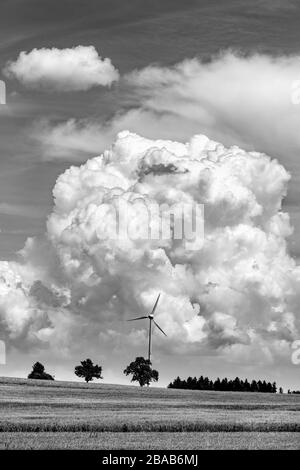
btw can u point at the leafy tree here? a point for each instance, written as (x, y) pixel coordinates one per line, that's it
(38, 372)
(88, 371)
(141, 371)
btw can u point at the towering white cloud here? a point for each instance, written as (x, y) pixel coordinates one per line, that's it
(74, 69)
(238, 294)
(236, 99)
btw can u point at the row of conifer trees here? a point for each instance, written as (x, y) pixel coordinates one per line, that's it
(236, 385)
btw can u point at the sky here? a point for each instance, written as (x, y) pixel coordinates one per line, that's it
(163, 70)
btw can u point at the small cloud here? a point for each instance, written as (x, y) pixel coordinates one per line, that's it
(75, 69)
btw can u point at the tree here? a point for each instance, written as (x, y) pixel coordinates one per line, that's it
(207, 384)
(183, 384)
(190, 383)
(141, 371)
(224, 384)
(247, 386)
(176, 383)
(88, 370)
(38, 372)
(254, 387)
(200, 383)
(217, 384)
(236, 385)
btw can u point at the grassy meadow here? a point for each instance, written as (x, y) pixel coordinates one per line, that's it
(40, 414)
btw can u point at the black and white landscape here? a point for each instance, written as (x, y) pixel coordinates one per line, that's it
(149, 224)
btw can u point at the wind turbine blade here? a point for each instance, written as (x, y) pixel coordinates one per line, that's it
(155, 305)
(138, 318)
(159, 328)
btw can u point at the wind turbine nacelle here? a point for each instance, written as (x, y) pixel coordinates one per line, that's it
(151, 317)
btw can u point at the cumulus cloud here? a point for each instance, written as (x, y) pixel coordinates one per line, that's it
(238, 294)
(75, 69)
(235, 99)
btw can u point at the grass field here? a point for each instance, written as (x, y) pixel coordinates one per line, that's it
(37, 414)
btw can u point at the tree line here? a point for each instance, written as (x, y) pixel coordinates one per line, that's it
(224, 385)
(142, 372)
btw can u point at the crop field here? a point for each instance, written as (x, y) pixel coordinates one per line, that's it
(41, 415)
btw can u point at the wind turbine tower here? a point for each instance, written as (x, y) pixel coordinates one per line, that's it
(151, 320)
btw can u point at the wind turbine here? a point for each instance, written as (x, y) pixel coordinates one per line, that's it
(151, 319)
